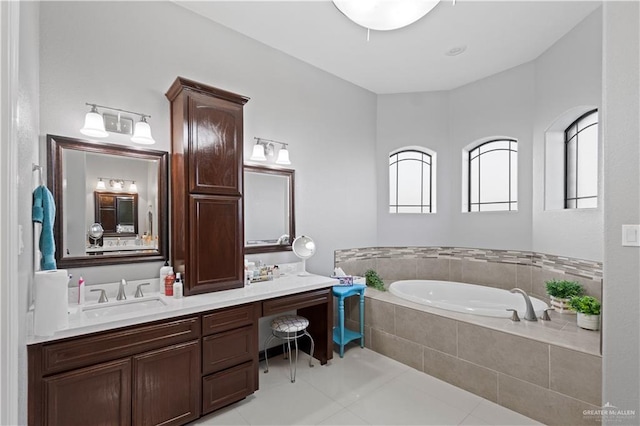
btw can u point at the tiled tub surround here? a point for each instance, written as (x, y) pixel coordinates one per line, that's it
(549, 371)
(494, 268)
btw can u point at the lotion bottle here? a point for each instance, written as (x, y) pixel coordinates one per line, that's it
(164, 271)
(177, 287)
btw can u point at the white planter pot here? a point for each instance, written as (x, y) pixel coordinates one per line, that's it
(561, 305)
(590, 322)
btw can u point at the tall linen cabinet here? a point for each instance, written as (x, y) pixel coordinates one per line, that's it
(207, 227)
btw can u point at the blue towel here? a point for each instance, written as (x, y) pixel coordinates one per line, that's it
(44, 212)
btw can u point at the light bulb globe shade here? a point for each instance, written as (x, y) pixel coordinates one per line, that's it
(258, 153)
(304, 247)
(133, 187)
(101, 185)
(142, 133)
(283, 157)
(94, 125)
(116, 185)
(385, 15)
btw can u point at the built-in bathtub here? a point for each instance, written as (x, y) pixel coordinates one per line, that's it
(466, 298)
(550, 371)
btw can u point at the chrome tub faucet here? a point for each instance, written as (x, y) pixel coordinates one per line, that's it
(530, 314)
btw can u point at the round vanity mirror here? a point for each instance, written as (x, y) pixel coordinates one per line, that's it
(304, 248)
(95, 233)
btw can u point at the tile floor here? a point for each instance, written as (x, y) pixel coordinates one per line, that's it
(363, 388)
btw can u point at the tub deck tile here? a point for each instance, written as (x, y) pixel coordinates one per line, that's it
(513, 355)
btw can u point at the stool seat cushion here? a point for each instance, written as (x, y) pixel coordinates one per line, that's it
(289, 323)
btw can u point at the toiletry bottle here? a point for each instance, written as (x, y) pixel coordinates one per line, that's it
(177, 287)
(164, 271)
(81, 291)
(168, 285)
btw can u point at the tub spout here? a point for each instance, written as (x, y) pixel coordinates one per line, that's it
(530, 314)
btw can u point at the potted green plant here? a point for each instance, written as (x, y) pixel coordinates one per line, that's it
(374, 280)
(588, 309)
(561, 292)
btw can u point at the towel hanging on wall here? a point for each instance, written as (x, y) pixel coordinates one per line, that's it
(44, 212)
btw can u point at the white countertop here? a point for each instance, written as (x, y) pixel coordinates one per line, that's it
(283, 286)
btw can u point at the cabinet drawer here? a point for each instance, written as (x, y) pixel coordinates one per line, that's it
(227, 349)
(228, 319)
(228, 386)
(110, 345)
(296, 301)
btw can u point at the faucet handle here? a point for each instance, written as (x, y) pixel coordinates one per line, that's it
(139, 290)
(103, 295)
(514, 316)
(545, 315)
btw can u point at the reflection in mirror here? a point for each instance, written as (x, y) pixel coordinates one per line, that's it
(269, 222)
(117, 213)
(131, 216)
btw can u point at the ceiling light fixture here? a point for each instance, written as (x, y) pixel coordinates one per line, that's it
(267, 146)
(385, 15)
(95, 125)
(455, 51)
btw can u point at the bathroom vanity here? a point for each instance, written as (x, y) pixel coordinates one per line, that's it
(171, 364)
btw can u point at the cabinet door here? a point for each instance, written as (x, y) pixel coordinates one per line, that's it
(166, 386)
(215, 145)
(216, 249)
(97, 395)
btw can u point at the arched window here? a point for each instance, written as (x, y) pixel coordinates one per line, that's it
(493, 176)
(581, 162)
(411, 181)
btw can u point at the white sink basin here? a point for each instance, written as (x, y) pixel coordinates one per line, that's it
(122, 307)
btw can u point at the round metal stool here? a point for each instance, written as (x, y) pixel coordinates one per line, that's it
(288, 328)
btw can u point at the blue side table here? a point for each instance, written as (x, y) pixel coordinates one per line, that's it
(342, 335)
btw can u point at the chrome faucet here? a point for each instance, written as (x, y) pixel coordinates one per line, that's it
(121, 294)
(530, 314)
(103, 295)
(139, 290)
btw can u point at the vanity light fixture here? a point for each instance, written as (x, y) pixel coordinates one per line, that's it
(96, 125)
(116, 184)
(264, 150)
(385, 15)
(142, 132)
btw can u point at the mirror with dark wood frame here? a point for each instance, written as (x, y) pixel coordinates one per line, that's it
(132, 215)
(269, 220)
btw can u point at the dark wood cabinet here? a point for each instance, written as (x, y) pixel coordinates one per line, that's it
(166, 389)
(167, 372)
(228, 386)
(142, 375)
(96, 395)
(216, 231)
(229, 355)
(206, 186)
